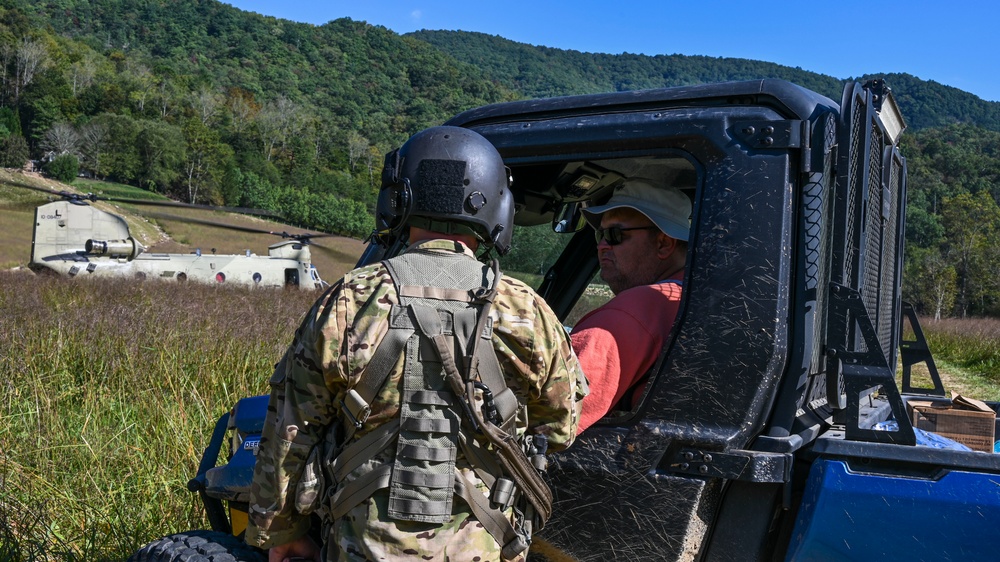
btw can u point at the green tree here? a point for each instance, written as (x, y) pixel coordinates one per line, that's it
(205, 162)
(533, 249)
(337, 215)
(64, 168)
(42, 114)
(161, 150)
(930, 282)
(971, 223)
(13, 151)
(120, 158)
(256, 192)
(10, 120)
(94, 144)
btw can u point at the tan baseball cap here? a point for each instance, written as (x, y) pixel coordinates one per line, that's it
(667, 207)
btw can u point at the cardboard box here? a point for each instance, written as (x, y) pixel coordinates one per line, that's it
(966, 420)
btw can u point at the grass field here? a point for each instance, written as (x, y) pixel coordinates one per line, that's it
(110, 393)
(111, 389)
(968, 354)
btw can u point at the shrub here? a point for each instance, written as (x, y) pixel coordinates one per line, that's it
(64, 168)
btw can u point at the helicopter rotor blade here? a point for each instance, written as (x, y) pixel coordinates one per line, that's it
(167, 203)
(304, 237)
(218, 224)
(151, 202)
(64, 194)
(25, 206)
(339, 255)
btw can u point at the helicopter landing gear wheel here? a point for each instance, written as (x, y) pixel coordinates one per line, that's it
(198, 546)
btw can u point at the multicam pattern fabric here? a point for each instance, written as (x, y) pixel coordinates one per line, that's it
(327, 357)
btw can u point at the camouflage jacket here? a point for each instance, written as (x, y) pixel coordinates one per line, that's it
(330, 351)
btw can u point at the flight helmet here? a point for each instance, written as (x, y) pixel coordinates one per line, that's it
(447, 179)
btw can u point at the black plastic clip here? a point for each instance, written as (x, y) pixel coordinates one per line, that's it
(490, 412)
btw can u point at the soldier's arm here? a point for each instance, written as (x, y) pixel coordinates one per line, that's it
(562, 384)
(299, 410)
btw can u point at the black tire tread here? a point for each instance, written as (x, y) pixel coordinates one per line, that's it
(198, 546)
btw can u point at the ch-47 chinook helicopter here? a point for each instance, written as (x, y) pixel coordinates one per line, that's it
(73, 238)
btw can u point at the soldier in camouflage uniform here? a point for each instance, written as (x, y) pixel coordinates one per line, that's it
(315, 384)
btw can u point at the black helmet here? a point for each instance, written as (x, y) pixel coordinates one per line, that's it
(444, 179)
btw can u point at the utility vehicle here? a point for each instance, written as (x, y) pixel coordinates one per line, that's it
(761, 433)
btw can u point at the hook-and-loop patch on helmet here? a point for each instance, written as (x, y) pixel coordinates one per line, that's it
(440, 186)
(449, 174)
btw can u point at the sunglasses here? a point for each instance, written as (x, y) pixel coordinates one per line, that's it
(613, 234)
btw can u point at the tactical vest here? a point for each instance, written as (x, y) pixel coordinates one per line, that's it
(438, 325)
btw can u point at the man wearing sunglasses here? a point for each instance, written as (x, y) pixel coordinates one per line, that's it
(642, 234)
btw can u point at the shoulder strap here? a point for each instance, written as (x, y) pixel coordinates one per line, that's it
(356, 405)
(486, 365)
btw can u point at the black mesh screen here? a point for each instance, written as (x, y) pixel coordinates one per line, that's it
(890, 273)
(873, 230)
(871, 207)
(854, 195)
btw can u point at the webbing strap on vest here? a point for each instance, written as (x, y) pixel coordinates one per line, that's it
(362, 450)
(422, 484)
(487, 366)
(356, 405)
(509, 453)
(512, 542)
(359, 490)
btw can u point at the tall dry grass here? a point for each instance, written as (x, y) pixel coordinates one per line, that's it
(968, 352)
(110, 390)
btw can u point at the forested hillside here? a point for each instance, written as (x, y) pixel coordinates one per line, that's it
(210, 104)
(543, 71)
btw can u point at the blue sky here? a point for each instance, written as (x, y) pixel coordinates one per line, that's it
(952, 43)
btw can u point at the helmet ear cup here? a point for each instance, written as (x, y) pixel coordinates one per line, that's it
(395, 202)
(395, 198)
(503, 231)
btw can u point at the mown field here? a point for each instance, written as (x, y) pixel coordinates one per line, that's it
(967, 352)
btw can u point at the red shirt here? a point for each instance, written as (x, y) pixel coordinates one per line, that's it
(620, 341)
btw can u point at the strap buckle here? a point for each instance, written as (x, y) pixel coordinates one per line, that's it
(356, 408)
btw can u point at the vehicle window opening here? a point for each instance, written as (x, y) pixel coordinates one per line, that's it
(554, 249)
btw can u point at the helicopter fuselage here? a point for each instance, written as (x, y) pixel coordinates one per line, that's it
(75, 239)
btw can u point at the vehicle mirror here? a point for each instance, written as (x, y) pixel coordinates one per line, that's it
(569, 218)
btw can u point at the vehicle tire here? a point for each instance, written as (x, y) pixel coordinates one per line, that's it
(198, 546)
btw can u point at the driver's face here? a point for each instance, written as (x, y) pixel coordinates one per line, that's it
(634, 261)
